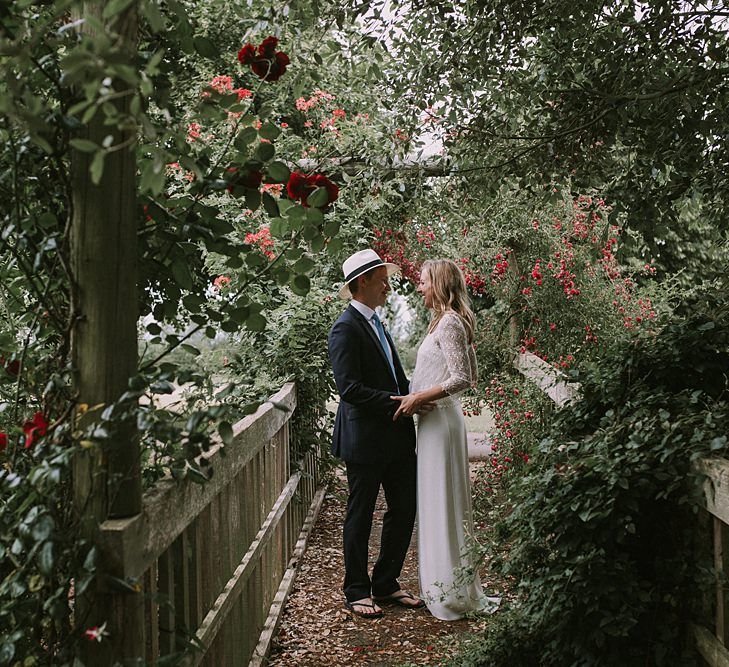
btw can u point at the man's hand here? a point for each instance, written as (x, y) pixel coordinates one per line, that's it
(426, 407)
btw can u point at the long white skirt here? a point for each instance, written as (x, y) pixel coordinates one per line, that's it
(449, 583)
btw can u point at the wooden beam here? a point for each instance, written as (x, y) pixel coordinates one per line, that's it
(132, 544)
(715, 654)
(716, 486)
(352, 166)
(550, 380)
(260, 654)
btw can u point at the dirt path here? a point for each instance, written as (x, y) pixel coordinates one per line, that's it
(316, 629)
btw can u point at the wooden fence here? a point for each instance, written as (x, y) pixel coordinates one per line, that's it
(712, 645)
(215, 562)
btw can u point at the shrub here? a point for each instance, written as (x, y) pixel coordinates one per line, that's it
(604, 526)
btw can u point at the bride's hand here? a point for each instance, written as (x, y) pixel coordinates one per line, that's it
(409, 405)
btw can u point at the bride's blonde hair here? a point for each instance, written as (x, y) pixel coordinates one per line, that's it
(448, 288)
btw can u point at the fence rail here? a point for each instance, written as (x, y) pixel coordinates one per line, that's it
(713, 645)
(215, 562)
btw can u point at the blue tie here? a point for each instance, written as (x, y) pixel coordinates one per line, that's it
(383, 342)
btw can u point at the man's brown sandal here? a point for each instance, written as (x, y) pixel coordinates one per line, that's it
(398, 598)
(375, 613)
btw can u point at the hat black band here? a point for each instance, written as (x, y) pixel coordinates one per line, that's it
(363, 269)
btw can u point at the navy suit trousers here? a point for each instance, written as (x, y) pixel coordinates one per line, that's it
(397, 478)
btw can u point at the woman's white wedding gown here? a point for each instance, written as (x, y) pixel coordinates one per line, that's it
(449, 583)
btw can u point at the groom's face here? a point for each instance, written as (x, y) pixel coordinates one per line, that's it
(374, 288)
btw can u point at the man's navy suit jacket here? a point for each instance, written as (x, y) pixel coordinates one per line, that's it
(364, 431)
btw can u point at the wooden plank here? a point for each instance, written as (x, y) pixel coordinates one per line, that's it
(195, 574)
(716, 486)
(260, 654)
(166, 587)
(182, 582)
(250, 528)
(550, 380)
(132, 544)
(721, 563)
(237, 549)
(151, 615)
(710, 648)
(215, 617)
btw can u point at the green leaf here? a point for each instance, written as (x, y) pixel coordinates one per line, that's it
(96, 170)
(154, 17)
(181, 274)
(190, 348)
(256, 322)
(269, 204)
(83, 145)
(269, 131)
(265, 151)
(191, 302)
(196, 475)
(318, 198)
(153, 177)
(245, 137)
(253, 199)
(283, 275)
(301, 285)
(304, 265)
(317, 243)
(278, 228)
(331, 228)
(718, 443)
(239, 314)
(296, 212)
(45, 558)
(114, 7)
(278, 172)
(205, 48)
(225, 431)
(334, 246)
(314, 216)
(43, 528)
(7, 651)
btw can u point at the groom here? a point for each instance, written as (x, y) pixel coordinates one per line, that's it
(377, 451)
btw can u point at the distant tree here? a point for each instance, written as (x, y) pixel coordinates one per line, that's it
(626, 97)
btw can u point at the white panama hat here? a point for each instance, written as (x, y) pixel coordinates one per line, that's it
(361, 262)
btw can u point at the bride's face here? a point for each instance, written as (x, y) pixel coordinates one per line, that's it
(425, 289)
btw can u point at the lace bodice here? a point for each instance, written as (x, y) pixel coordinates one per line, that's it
(445, 358)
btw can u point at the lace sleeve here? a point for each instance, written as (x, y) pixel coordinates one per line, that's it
(459, 355)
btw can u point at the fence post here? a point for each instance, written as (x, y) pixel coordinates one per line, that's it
(103, 241)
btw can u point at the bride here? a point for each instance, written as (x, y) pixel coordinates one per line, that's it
(445, 367)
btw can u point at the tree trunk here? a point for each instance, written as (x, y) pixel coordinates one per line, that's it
(107, 479)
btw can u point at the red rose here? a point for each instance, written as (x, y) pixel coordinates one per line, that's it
(247, 54)
(321, 181)
(35, 428)
(266, 62)
(300, 186)
(3, 441)
(261, 68)
(267, 47)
